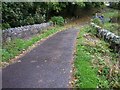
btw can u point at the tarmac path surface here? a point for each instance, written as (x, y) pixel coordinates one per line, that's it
(46, 66)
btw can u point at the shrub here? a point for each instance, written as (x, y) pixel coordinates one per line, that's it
(57, 20)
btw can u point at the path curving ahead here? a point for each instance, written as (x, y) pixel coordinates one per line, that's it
(46, 66)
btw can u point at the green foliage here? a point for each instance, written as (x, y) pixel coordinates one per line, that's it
(5, 25)
(100, 54)
(91, 30)
(91, 62)
(105, 71)
(113, 27)
(85, 74)
(24, 13)
(57, 6)
(103, 83)
(108, 16)
(97, 4)
(81, 4)
(115, 5)
(8, 51)
(111, 13)
(97, 21)
(38, 18)
(29, 20)
(57, 20)
(89, 5)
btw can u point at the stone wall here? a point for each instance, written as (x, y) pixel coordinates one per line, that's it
(23, 32)
(113, 39)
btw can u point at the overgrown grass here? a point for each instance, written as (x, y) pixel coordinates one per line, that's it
(107, 63)
(87, 78)
(15, 47)
(95, 63)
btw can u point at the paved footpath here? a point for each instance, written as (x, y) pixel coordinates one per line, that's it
(46, 66)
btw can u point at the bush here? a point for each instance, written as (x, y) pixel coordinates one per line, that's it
(57, 20)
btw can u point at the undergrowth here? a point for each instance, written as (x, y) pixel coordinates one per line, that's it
(96, 65)
(86, 76)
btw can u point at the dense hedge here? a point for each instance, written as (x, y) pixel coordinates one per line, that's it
(16, 14)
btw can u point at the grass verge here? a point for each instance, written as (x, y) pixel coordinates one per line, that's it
(96, 65)
(86, 76)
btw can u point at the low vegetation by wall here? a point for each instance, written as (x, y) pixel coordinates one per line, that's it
(23, 32)
(113, 39)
